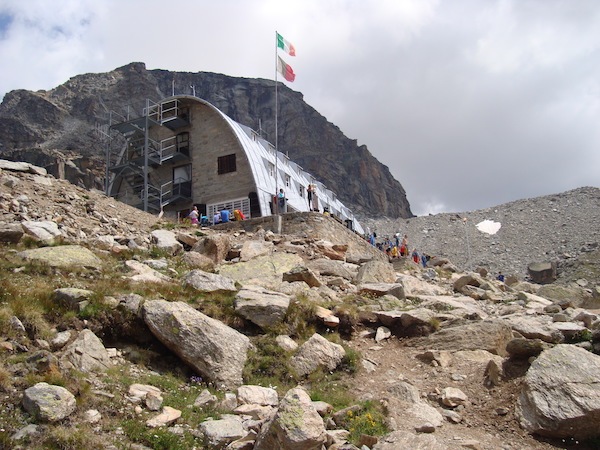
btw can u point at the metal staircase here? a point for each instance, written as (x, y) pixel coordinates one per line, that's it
(130, 166)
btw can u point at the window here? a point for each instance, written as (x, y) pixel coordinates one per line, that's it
(287, 180)
(301, 191)
(271, 169)
(226, 164)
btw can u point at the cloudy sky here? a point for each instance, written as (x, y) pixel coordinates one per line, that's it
(470, 103)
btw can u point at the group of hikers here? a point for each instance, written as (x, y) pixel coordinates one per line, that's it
(221, 216)
(396, 248)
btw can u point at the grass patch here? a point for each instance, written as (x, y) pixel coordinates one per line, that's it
(158, 438)
(268, 365)
(369, 420)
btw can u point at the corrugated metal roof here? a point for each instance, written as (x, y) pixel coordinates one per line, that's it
(261, 157)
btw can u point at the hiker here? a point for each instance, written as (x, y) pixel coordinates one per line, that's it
(224, 215)
(415, 256)
(281, 201)
(404, 246)
(193, 215)
(309, 192)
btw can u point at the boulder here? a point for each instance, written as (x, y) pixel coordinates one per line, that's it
(71, 297)
(218, 433)
(10, 232)
(301, 273)
(403, 440)
(490, 335)
(209, 282)
(48, 403)
(560, 397)
(331, 268)
(249, 394)
(142, 273)
(167, 241)
(214, 350)
(215, 247)
(261, 306)
(381, 289)
(317, 352)
(87, 353)
(45, 231)
(253, 249)
(535, 327)
(167, 416)
(64, 256)
(521, 348)
(296, 425)
(542, 272)
(197, 260)
(261, 267)
(375, 272)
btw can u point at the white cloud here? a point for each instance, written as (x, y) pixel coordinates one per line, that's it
(469, 103)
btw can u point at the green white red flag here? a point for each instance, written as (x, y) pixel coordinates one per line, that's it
(285, 45)
(285, 69)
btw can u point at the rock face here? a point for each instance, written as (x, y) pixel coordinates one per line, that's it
(29, 120)
(215, 350)
(561, 394)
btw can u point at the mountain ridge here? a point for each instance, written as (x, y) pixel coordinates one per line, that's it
(64, 122)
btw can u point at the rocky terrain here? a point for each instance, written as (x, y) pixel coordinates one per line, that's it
(119, 330)
(559, 228)
(59, 129)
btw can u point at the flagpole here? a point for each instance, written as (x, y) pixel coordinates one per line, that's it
(276, 205)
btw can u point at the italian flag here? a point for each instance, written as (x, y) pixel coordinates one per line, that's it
(285, 70)
(285, 45)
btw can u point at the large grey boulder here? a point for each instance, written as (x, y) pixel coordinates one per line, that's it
(535, 327)
(253, 249)
(490, 335)
(48, 403)
(329, 267)
(209, 282)
(64, 256)
(542, 272)
(166, 240)
(296, 425)
(87, 353)
(259, 395)
(71, 297)
(10, 232)
(45, 231)
(261, 267)
(143, 273)
(561, 394)
(301, 273)
(215, 247)
(261, 306)
(214, 350)
(376, 272)
(218, 433)
(317, 352)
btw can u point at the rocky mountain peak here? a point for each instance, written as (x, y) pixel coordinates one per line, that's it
(66, 119)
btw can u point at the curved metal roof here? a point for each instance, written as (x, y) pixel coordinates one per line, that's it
(288, 175)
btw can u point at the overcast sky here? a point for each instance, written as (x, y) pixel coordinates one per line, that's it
(470, 103)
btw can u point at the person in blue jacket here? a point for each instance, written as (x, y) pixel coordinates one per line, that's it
(224, 215)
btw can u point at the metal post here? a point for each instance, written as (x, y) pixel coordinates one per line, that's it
(468, 244)
(146, 122)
